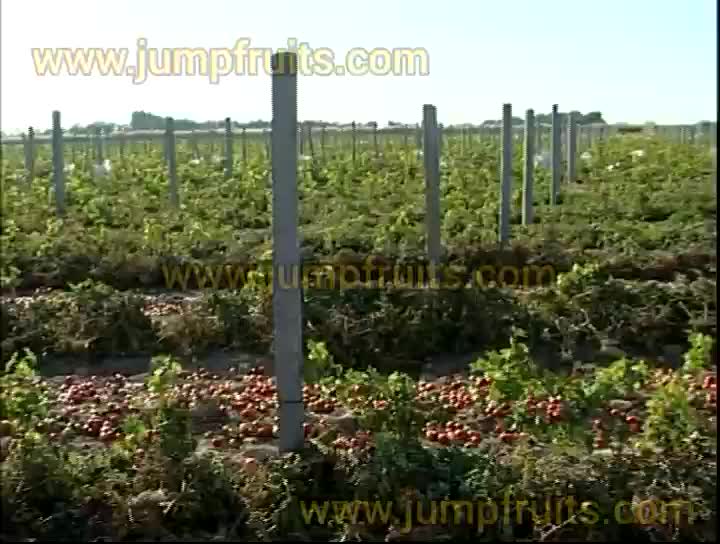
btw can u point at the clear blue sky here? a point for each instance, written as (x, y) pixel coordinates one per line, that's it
(634, 60)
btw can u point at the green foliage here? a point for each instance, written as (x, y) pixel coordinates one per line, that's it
(193, 333)
(53, 492)
(88, 318)
(175, 431)
(164, 374)
(646, 315)
(511, 369)
(698, 356)
(119, 232)
(644, 219)
(405, 471)
(580, 278)
(134, 431)
(401, 414)
(619, 380)
(319, 363)
(171, 420)
(671, 418)
(36, 487)
(244, 316)
(22, 398)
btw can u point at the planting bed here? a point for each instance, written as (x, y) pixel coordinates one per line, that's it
(508, 410)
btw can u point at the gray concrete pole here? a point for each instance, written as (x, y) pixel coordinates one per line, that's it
(528, 168)
(287, 296)
(506, 139)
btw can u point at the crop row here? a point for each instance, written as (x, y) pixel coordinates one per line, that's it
(120, 226)
(192, 454)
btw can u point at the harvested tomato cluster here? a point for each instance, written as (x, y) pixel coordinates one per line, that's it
(105, 425)
(314, 401)
(259, 397)
(361, 441)
(497, 410)
(316, 428)
(599, 426)
(105, 429)
(511, 436)
(704, 394)
(234, 435)
(710, 382)
(78, 393)
(452, 432)
(552, 409)
(710, 385)
(102, 420)
(454, 395)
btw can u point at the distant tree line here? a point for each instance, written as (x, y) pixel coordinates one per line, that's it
(141, 120)
(589, 118)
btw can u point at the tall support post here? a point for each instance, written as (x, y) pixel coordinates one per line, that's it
(287, 297)
(376, 146)
(555, 153)
(354, 143)
(431, 156)
(58, 164)
(243, 138)
(171, 161)
(311, 144)
(418, 139)
(713, 152)
(194, 145)
(121, 145)
(440, 134)
(228, 148)
(99, 158)
(29, 145)
(528, 166)
(572, 148)
(506, 139)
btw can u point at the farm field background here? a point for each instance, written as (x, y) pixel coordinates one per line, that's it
(600, 384)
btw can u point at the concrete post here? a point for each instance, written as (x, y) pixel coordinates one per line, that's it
(528, 168)
(287, 297)
(58, 164)
(506, 140)
(431, 155)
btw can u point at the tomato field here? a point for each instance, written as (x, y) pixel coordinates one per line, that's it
(134, 411)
